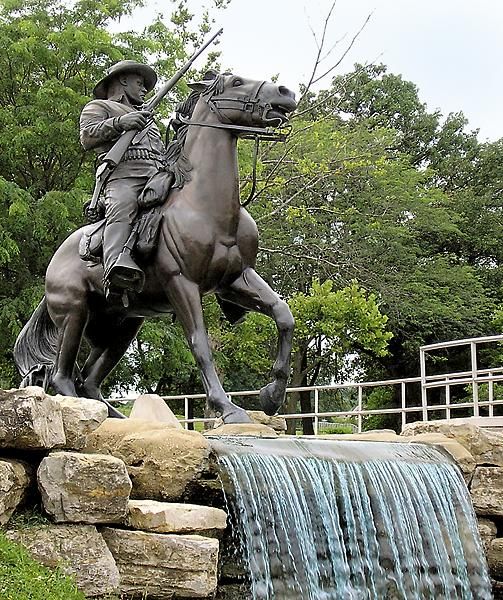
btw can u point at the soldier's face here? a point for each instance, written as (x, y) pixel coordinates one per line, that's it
(134, 88)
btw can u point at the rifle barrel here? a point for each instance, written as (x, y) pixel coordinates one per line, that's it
(156, 99)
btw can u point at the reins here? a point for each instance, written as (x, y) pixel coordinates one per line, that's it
(243, 131)
(251, 195)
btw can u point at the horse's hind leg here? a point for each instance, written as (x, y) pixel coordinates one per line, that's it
(71, 326)
(109, 342)
(184, 297)
(252, 292)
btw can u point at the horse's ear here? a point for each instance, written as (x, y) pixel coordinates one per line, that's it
(199, 86)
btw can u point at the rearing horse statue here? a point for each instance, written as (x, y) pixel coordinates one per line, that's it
(208, 243)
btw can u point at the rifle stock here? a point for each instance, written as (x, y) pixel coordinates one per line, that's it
(115, 154)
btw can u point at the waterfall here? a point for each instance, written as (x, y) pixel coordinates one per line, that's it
(328, 520)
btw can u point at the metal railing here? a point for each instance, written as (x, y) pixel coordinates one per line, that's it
(472, 378)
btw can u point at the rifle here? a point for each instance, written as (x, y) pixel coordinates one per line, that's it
(115, 154)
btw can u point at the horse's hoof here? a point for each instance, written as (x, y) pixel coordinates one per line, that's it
(271, 399)
(236, 415)
(64, 386)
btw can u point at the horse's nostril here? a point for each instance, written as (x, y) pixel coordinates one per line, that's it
(284, 91)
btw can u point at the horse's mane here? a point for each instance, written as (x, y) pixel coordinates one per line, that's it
(177, 161)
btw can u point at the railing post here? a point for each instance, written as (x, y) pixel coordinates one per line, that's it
(360, 408)
(404, 405)
(475, 385)
(424, 391)
(186, 402)
(491, 394)
(447, 400)
(316, 409)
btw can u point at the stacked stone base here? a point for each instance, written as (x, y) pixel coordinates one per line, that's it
(109, 489)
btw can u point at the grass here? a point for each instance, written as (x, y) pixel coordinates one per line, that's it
(337, 428)
(29, 517)
(22, 578)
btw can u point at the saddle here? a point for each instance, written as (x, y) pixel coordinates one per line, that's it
(148, 226)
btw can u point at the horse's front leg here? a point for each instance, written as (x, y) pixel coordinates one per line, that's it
(253, 293)
(185, 299)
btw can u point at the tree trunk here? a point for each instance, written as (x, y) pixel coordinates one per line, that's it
(190, 415)
(291, 407)
(306, 407)
(299, 379)
(293, 402)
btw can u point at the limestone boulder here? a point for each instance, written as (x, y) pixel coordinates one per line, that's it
(484, 445)
(81, 416)
(244, 429)
(459, 453)
(487, 531)
(164, 566)
(79, 550)
(112, 432)
(487, 491)
(30, 420)
(15, 479)
(166, 517)
(161, 461)
(151, 407)
(494, 554)
(84, 488)
(276, 422)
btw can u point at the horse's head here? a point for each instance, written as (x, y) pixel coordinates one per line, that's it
(248, 102)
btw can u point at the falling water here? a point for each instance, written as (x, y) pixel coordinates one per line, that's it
(327, 520)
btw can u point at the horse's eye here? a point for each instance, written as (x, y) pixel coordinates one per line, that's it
(237, 82)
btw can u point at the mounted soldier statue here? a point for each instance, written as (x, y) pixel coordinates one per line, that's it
(117, 108)
(167, 228)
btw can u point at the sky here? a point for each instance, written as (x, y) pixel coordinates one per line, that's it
(451, 49)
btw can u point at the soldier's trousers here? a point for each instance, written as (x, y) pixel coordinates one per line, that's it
(121, 207)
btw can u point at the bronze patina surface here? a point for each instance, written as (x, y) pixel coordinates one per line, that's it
(207, 242)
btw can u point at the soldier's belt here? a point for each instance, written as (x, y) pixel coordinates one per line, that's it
(141, 154)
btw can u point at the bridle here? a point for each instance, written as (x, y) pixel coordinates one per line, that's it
(252, 107)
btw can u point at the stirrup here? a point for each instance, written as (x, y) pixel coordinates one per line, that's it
(116, 296)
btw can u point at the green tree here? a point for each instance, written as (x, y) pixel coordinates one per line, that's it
(330, 325)
(372, 188)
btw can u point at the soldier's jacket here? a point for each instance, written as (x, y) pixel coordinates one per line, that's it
(98, 132)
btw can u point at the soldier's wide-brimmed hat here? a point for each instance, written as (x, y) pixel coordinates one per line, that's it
(125, 66)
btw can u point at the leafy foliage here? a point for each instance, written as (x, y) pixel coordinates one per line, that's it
(330, 324)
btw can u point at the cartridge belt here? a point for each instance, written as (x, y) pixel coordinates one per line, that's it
(141, 154)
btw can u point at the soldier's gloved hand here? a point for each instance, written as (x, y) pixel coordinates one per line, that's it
(133, 120)
(93, 215)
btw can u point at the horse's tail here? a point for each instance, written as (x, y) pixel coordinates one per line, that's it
(35, 348)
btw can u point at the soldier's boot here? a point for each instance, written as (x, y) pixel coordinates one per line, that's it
(122, 274)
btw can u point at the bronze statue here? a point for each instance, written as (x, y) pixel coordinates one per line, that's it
(207, 243)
